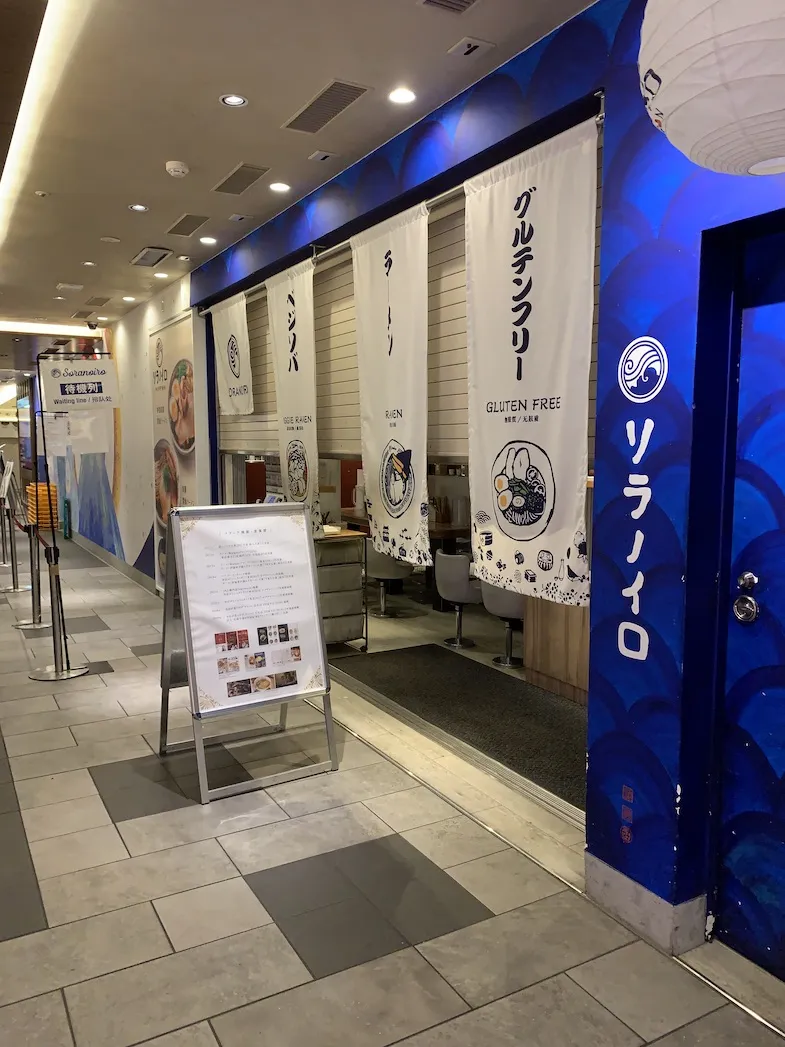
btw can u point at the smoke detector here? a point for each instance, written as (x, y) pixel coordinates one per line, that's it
(177, 169)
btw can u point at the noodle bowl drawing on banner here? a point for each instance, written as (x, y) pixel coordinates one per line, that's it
(297, 470)
(524, 490)
(396, 479)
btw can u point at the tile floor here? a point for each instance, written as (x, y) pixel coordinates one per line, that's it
(388, 902)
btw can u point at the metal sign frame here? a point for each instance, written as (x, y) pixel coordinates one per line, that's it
(178, 667)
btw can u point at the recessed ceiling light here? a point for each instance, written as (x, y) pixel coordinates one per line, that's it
(183, 258)
(59, 298)
(102, 318)
(41, 192)
(128, 298)
(209, 240)
(234, 101)
(161, 276)
(88, 263)
(402, 96)
(280, 187)
(137, 207)
(110, 239)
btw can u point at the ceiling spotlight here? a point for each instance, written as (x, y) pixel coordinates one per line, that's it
(402, 96)
(137, 207)
(208, 240)
(59, 298)
(183, 258)
(41, 193)
(233, 101)
(88, 263)
(102, 318)
(128, 298)
(161, 276)
(280, 187)
(110, 239)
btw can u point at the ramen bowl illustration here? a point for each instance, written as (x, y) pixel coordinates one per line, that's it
(524, 490)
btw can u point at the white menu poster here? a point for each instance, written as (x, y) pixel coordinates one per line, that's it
(250, 605)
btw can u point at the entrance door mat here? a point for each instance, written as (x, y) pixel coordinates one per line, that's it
(539, 735)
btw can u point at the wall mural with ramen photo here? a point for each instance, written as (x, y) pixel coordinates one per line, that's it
(174, 428)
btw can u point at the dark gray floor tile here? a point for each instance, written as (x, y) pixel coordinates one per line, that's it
(143, 799)
(289, 890)
(99, 668)
(183, 765)
(217, 777)
(8, 800)
(125, 774)
(728, 1027)
(341, 936)
(146, 648)
(417, 897)
(5, 770)
(88, 623)
(21, 908)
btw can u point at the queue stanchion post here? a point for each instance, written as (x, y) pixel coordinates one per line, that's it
(35, 588)
(14, 587)
(3, 537)
(61, 669)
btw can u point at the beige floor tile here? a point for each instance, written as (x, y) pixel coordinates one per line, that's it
(54, 789)
(41, 1022)
(157, 997)
(337, 788)
(80, 756)
(60, 819)
(410, 809)
(39, 742)
(80, 850)
(129, 725)
(556, 857)
(89, 892)
(61, 956)
(58, 718)
(755, 988)
(278, 764)
(453, 841)
(27, 706)
(296, 838)
(189, 824)
(505, 880)
(208, 913)
(200, 1035)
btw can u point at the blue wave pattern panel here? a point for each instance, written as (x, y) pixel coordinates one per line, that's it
(752, 876)
(97, 516)
(656, 205)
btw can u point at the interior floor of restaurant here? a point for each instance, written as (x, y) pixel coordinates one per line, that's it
(410, 897)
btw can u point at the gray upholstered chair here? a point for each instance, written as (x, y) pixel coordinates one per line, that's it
(455, 585)
(384, 569)
(509, 606)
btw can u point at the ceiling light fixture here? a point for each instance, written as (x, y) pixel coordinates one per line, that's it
(161, 276)
(280, 187)
(183, 258)
(402, 96)
(102, 318)
(138, 207)
(110, 239)
(233, 101)
(128, 298)
(208, 240)
(25, 327)
(88, 263)
(41, 193)
(59, 298)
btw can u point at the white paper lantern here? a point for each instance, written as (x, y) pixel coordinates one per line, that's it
(713, 79)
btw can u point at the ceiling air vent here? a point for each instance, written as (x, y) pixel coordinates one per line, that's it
(333, 100)
(241, 178)
(97, 301)
(82, 314)
(150, 256)
(456, 6)
(62, 341)
(70, 287)
(187, 224)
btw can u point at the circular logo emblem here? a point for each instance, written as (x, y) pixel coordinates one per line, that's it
(524, 490)
(396, 479)
(643, 368)
(159, 353)
(56, 372)
(233, 354)
(297, 470)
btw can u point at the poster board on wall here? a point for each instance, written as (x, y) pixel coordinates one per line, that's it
(178, 450)
(250, 605)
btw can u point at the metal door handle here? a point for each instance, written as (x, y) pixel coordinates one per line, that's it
(746, 609)
(747, 580)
